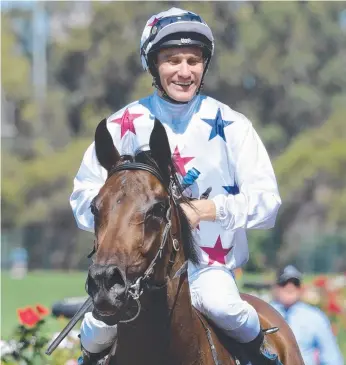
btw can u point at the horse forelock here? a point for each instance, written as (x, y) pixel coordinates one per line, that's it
(188, 241)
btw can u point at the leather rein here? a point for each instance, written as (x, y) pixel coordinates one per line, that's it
(136, 289)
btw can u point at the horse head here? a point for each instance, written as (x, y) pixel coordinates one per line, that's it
(139, 225)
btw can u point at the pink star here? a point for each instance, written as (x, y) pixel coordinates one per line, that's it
(153, 22)
(180, 161)
(217, 253)
(126, 122)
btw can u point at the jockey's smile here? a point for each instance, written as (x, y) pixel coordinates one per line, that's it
(180, 71)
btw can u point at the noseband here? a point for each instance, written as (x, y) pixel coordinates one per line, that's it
(136, 289)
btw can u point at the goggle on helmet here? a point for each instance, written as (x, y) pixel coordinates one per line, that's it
(172, 30)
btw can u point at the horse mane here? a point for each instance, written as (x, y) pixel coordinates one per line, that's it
(189, 244)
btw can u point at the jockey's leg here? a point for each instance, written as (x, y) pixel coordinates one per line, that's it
(215, 294)
(96, 339)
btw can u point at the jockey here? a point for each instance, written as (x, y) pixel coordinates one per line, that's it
(215, 145)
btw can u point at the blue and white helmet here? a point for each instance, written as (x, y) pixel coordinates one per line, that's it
(175, 28)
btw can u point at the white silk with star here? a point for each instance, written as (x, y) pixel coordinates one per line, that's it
(223, 146)
(217, 141)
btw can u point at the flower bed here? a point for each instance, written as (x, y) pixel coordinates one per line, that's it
(31, 339)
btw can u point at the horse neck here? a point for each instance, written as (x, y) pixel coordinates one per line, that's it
(184, 345)
(165, 327)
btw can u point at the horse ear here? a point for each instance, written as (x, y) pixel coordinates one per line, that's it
(160, 149)
(106, 152)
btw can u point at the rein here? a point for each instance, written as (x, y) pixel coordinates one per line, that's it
(137, 288)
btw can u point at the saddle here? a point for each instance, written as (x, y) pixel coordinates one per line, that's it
(233, 347)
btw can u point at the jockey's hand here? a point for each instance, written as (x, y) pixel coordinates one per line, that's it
(200, 210)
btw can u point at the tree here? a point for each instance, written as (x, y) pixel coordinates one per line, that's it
(281, 64)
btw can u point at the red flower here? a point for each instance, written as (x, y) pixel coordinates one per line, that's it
(320, 282)
(333, 306)
(41, 310)
(28, 316)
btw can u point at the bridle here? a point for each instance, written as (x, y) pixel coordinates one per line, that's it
(136, 289)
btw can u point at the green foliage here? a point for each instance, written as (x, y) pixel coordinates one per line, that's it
(281, 64)
(29, 345)
(32, 184)
(16, 84)
(318, 155)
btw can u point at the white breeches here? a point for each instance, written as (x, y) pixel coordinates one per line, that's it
(213, 292)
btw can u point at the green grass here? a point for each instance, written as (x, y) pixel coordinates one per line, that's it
(48, 287)
(41, 287)
(342, 342)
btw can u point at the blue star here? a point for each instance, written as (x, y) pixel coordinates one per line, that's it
(234, 190)
(218, 125)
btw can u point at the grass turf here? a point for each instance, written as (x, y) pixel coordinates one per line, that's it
(48, 287)
(40, 287)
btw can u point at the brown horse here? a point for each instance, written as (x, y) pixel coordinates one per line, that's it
(138, 278)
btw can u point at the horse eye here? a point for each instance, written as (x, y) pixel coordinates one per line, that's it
(158, 210)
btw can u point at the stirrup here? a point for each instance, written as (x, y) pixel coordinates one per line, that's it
(269, 331)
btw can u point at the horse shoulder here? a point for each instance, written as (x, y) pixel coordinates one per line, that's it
(210, 335)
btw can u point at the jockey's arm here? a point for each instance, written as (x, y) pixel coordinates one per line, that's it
(258, 201)
(90, 178)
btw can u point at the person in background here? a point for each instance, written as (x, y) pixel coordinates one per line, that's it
(19, 262)
(309, 324)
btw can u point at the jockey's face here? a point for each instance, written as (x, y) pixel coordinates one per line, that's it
(181, 71)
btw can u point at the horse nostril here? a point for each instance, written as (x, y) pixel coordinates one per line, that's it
(116, 280)
(90, 285)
